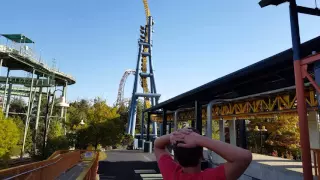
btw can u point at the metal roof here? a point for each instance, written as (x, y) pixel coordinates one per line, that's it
(264, 3)
(18, 38)
(272, 73)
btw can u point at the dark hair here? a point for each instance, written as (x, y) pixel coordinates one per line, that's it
(188, 157)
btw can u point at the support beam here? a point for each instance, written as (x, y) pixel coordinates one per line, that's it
(302, 109)
(198, 116)
(308, 11)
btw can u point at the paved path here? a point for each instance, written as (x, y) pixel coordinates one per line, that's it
(122, 164)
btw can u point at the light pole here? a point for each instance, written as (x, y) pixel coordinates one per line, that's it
(62, 103)
(263, 129)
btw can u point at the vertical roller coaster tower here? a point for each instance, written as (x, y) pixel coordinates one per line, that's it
(151, 97)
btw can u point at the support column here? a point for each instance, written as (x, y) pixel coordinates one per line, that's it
(313, 119)
(28, 116)
(1, 62)
(198, 116)
(218, 158)
(148, 126)
(161, 129)
(8, 100)
(38, 111)
(164, 122)
(148, 144)
(243, 134)
(142, 126)
(169, 129)
(222, 130)
(63, 109)
(155, 129)
(134, 118)
(5, 90)
(233, 132)
(302, 109)
(175, 121)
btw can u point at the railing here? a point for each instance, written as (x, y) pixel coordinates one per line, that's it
(316, 159)
(30, 55)
(57, 163)
(90, 172)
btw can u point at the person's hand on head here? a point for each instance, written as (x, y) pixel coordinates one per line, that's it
(189, 141)
(185, 131)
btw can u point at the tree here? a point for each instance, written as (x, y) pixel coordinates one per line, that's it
(9, 136)
(282, 137)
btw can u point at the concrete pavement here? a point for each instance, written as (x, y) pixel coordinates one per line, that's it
(125, 165)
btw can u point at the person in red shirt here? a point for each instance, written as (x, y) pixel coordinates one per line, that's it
(188, 146)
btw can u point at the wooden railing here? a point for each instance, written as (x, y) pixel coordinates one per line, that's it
(57, 163)
(316, 160)
(90, 172)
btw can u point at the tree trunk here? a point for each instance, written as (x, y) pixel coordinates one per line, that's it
(96, 143)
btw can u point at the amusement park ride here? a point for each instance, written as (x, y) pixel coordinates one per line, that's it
(146, 75)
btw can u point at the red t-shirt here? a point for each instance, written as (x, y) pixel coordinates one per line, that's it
(171, 170)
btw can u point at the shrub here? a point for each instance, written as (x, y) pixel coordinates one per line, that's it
(127, 140)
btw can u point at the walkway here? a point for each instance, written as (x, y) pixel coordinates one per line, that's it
(124, 165)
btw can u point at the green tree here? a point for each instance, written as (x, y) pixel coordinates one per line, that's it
(9, 136)
(282, 137)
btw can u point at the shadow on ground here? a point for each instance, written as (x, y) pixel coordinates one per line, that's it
(124, 170)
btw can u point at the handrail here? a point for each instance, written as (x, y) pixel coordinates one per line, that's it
(26, 172)
(91, 171)
(57, 163)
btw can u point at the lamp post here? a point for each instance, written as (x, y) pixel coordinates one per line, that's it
(263, 129)
(62, 103)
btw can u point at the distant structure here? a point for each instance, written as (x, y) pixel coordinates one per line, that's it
(145, 73)
(120, 99)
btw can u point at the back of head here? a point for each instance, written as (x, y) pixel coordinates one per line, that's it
(188, 157)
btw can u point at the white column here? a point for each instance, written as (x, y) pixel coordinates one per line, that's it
(233, 132)
(216, 158)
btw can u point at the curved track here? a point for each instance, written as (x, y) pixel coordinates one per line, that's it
(120, 98)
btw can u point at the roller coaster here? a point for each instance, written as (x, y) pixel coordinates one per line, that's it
(142, 71)
(120, 99)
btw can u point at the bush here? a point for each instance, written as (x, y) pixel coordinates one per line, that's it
(54, 144)
(127, 140)
(9, 136)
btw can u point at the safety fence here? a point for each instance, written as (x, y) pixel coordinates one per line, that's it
(316, 159)
(57, 163)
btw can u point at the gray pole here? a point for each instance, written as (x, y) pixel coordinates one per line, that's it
(1, 61)
(65, 109)
(5, 89)
(38, 111)
(8, 100)
(27, 118)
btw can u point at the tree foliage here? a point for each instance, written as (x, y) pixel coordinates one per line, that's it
(282, 137)
(104, 124)
(9, 135)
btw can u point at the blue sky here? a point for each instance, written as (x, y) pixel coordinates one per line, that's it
(194, 41)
